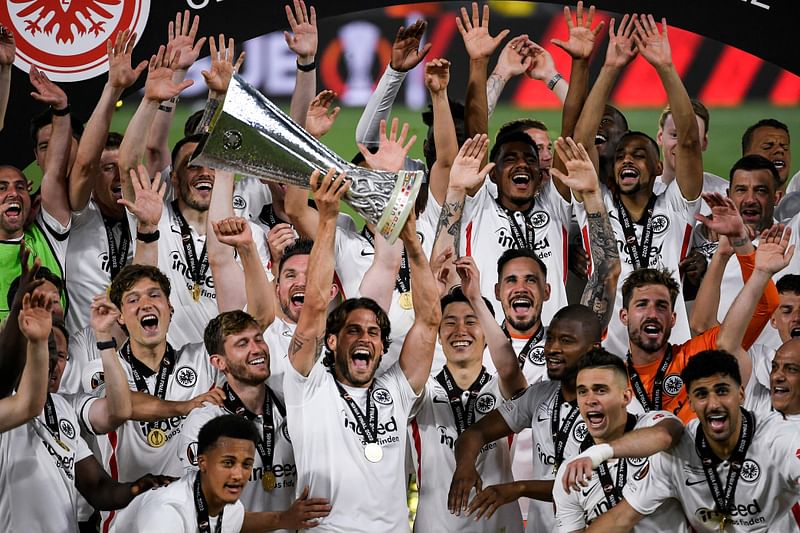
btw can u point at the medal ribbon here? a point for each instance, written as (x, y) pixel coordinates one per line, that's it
(368, 424)
(117, 256)
(464, 417)
(638, 386)
(532, 342)
(51, 418)
(268, 216)
(403, 281)
(613, 492)
(561, 431)
(521, 240)
(724, 499)
(201, 507)
(138, 368)
(266, 445)
(197, 267)
(639, 251)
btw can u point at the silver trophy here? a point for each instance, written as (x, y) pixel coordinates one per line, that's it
(249, 135)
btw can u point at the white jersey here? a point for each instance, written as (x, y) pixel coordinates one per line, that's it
(790, 521)
(486, 234)
(711, 183)
(89, 268)
(768, 486)
(171, 509)
(579, 508)
(190, 318)
(329, 449)
(756, 393)
(38, 474)
(672, 223)
(278, 337)
(435, 432)
(254, 498)
(82, 349)
(253, 201)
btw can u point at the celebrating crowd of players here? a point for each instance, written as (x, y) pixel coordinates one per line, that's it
(586, 333)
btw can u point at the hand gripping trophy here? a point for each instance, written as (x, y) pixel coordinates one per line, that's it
(249, 135)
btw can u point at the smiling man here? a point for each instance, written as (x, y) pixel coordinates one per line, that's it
(348, 427)
(700, 472)
(769, 138)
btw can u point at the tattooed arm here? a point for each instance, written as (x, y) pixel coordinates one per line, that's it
(310, 332)
(464, 173)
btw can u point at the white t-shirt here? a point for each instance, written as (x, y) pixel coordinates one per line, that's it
(126, 453)
(579, 508)
(89, 268)
(673, 220)
(486, 234)
(171, 509)
(768, 486)
(329, 450)
(711, 183)
(38, 475)
(435, 433)
(278, 337)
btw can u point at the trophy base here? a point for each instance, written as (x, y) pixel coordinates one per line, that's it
(400, 204)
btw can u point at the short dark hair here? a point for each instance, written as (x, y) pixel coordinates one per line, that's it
(44, 273)
(789, 283)
(516, 253)
(511, 137)
(617, 114)
(629, 134)
(649, 276)
(301, 246)
(699, 109)
(224, 325)
(747, 136)
(129, 275)
(230, 426)
(193, 138)
(592, 328)
(753, 162)
(113, 140)
(338, 316)
(456, 295)
(45, 118)
(601, 358)
(522, 125)
(708, 363)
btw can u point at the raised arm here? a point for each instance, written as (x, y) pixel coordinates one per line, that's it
(480, 46)
(235, 232)
(320, 117)
(309, 336)
(437, 77)
(654, 47)
(35, 323)
(303, 42)
(406, 54)
(464, 174)
(121, 75)
(512, 380)
(147, 209)
(181, 38)
(515, 58)
(380, 278)
(218, 77)
(55, 197)
(158, 88)
(108, 413)
(8, 50)
(416, 356)
(228, 277)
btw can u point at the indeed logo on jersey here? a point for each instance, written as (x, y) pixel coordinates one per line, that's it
(285, 475)
(158, 433)
(448, 439)
(741, 515)
(387, 431)
(506, 240)
(654, 253)
(65, 462)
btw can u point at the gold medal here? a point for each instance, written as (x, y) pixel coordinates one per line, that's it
(62, 444)
(373, 452)
(156, 438)
(406, 301)
(723, 522)
(196, 292)
(268, 481)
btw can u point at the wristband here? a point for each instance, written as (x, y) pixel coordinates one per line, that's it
(555, 79)
(599, 453)
(60, 112)
(165, 108)
(105, 345)
(307, 68)
(147, 237)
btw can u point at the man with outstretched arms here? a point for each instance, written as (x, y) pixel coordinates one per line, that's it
(549, 409)
(237, 349)
(592, 483)
(462, 393)
(732, 470)
(348, 427)
(651, 231)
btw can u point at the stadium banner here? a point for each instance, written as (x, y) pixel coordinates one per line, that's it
(726, 51)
